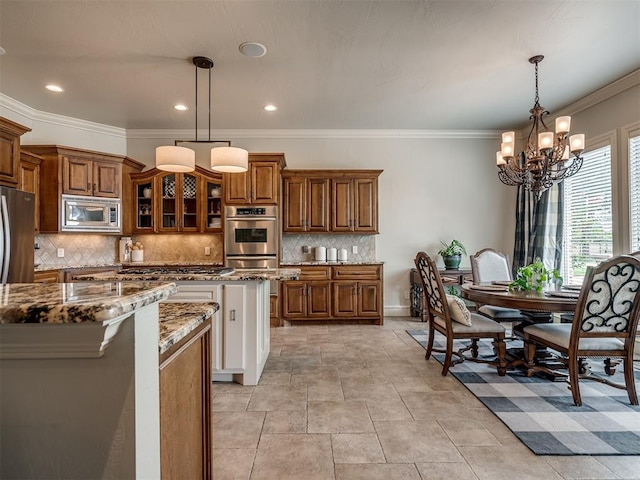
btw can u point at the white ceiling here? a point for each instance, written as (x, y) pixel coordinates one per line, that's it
(441, 65)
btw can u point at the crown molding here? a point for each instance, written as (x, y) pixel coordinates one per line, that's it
(310, 134)
(34, 115)
(625, 83)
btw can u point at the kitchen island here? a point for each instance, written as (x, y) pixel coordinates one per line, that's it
(241, 333)
(80, 382)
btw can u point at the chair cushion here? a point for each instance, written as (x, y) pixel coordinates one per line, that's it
(458, 310)
(479, 324)
(560, 334)
(500, 313)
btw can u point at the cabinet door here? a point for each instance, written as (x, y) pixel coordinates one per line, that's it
(185, 410)
(10, 133)
(342, 203)
(77, 176)
(29, 181)
(295, 205)
(318, 205)
(190, 210)
(167, 202)
(107, 178)
(47, 276)
(318, 300)
(144, 207)
(365, 200)
(264, 182)
(236, 188)
(212, 219)
(294, 301)
(234, 326)
(369, 301)
(345, 298)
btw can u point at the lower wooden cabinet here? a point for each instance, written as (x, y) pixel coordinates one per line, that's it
(347, 292)
(185, 407)
(46, 276)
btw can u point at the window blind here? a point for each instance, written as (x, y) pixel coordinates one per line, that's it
(634, 192)
(588, 232)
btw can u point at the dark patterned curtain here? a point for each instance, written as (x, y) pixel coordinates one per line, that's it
(539, 226)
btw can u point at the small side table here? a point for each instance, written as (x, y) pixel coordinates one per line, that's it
(449, 277)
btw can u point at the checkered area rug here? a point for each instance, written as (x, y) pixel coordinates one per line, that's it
(541, 413)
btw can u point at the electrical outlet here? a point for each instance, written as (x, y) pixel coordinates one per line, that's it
(207, 250)
(406, 295)
(305, 249)
(61, 253)
(354, 249)
(36, 246)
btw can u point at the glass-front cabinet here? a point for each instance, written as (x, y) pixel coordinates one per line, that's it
(177, 202)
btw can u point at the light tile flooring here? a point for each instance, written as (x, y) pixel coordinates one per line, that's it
(351, 402)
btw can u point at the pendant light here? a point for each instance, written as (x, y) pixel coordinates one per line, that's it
(226, 159)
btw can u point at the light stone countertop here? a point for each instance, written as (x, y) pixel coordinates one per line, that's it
(237, 276)
(177, 320)
(77, 302)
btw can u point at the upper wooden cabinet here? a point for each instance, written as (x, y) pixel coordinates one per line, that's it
(337, 201)
(177, 202)
(73, 171)
(29, 180)
(10, 133)
(260, 185)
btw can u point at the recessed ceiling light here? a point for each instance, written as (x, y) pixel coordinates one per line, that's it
(54, 88)
(181, 107)
(253, 49)
(270, 108)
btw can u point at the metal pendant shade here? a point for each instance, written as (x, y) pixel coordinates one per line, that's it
(226, 159)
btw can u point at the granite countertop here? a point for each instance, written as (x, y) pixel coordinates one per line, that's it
(238, 275)
(47, 267)
(347, 262)
(177, 320)
(77, 302)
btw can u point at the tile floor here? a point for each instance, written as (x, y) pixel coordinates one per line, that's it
(351, 402)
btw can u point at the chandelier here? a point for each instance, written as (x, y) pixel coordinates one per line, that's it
(546, 158)
(181, 159)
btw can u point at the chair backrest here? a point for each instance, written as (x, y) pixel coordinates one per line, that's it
(609, 303)
(635, 254)
(489, 265)
(434, 291)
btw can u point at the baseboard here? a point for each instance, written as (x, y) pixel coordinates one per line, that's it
(396, 311)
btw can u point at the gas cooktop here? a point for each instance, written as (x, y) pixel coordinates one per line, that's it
(195, 270)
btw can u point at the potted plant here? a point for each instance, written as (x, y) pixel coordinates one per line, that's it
(452, 254)
(535, 276)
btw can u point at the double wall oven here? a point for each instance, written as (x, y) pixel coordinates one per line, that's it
(251, 237)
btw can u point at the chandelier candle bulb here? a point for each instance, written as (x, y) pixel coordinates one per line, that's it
(563, 124)
(506, 149)
(545, 140)
(577, 142)
(509, 137)
(499, 159)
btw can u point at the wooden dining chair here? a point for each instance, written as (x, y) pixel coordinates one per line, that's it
(604, 326)
(447, 317)
(489, 265)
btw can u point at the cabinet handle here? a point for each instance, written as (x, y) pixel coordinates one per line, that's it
(232, 315)
(94, 187)
(88, 187)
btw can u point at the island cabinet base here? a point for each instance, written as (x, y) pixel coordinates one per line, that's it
(241, 328)
(185, 407)
(73, 416)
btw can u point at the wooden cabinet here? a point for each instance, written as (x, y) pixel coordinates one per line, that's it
(260, 185)
(336, 292)
(185, 407)
(128, 194)
(337, 201)
(177, 202)
(10, 133)
(306, 204)
(46, 276)
(73, 171)
(29, 180)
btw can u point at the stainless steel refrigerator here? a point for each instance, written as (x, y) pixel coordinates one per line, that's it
(16, 235)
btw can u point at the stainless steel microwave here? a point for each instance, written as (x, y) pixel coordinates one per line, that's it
(90, 214)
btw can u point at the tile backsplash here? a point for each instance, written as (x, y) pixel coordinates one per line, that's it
(292, 246)
(181, 248)
(79, 249)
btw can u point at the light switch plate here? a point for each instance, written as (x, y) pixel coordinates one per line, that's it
(207, 250)
(354, 249)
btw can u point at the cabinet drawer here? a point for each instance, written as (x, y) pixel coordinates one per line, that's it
(356, 272)
(315, 273)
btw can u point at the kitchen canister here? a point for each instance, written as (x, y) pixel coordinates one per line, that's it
(332, 254)
(342, 255)
(321, 254)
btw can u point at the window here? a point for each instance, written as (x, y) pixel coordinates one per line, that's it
(634, 192)
(588, 232)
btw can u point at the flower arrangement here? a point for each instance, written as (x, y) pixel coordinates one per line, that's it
(535, 276)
